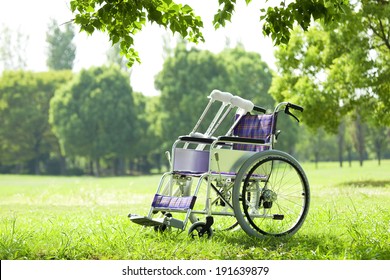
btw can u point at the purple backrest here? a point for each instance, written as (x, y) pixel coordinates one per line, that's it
(255, 127)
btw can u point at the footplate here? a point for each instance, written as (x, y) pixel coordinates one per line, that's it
(149, 222)
(145, 221)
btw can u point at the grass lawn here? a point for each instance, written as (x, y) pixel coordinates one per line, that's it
(44, 217)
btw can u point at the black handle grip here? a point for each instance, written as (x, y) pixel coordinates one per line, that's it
(295, 107)
(259, 109)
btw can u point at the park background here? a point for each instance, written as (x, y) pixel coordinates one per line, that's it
(70, 106)
(44, 69)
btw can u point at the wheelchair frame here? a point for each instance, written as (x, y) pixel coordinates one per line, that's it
(242, 187)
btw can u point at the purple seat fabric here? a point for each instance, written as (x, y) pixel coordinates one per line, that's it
(173, 202)
(255, 127)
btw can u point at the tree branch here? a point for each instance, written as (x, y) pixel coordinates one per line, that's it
(384, 38)
(381, 33)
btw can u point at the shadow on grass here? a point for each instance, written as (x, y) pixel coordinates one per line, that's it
(276, 248)
(366, 183)
(305, 247)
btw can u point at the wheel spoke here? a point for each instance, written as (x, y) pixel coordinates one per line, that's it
(283, 197)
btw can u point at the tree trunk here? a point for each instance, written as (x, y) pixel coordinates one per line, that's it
(349, 152)
(340, 138)
(91, 167)
(62, 165)
(97, 163)
(37, 170)
(119, 166)
(378, 143)
(316, 159)
(359, 137)
(131, 165)
(378, 155)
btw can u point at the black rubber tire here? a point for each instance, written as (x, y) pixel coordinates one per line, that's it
(195, 231)
(279, 177)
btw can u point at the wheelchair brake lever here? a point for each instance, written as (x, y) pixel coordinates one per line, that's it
(287, 111)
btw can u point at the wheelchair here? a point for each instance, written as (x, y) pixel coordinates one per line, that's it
(237, 180)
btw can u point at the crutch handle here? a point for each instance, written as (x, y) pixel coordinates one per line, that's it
(242, 103)
(218, 95)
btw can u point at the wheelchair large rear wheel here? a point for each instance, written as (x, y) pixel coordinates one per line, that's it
(271, 195)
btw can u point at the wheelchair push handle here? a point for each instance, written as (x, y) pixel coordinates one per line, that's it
(259, 109)
(294, 107)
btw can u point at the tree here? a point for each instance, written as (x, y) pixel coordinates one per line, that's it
(94, 116)
(189, 75)
(121, 20)
(378, 139)
(25, 134)
(359, 138)
(12, 49)
(376, 19)
(61, 50)
(334, 72)
(147, 150)
(248, 75)
(186, 79)
(300, 75)
(341, 142)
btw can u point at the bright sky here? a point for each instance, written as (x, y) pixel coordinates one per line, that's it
(32, 17)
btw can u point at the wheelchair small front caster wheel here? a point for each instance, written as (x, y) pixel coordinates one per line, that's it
(160, 228)
(200, 230)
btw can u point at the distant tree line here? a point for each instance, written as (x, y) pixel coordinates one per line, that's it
(92, 122)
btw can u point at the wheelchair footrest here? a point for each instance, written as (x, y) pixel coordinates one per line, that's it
(145, 221)
(173, 202)
(149, 222)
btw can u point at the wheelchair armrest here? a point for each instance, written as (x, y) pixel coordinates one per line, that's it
(197, 139)
(235, 139)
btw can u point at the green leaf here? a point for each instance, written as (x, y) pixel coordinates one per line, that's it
(114, 39)
(73, 5)
(186, 9)
(129, 40)
(89, 29)
(90, 9)
(137, 25)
